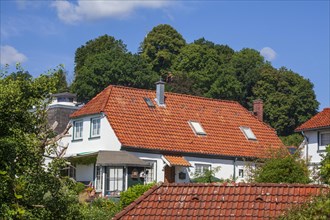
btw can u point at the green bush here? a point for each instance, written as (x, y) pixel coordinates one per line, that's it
(318, 209)
(99, 209)
(79, 187)
(292, 140)
(133, 193)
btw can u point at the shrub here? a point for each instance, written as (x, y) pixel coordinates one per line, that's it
(133, 193)
(99, 209)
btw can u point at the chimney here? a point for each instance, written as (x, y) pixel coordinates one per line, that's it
(258, 109)
(160, 89)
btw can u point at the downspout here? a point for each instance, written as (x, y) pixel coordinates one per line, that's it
(306, 143)
(234, 173)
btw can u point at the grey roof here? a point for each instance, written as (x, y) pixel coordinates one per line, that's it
(119, 158)
(64, 94)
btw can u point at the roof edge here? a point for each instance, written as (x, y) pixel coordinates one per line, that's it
(311, 129)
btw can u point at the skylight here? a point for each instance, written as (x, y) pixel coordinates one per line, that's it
(197, 128)
(248, 133)
(149, 102)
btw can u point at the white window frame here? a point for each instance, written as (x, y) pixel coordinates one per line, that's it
(203, 167)
(98, 134)
(197, 127)
(81, 129)
(321, 146)
(151, 173)
(114, 180)
(98, 178)
(248, 133)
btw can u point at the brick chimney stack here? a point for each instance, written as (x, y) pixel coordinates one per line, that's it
(258, 109)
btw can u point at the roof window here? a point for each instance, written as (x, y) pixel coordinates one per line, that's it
(197, 128)
(149, 102)
(248, 133)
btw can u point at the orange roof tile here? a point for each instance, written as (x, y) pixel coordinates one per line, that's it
(177, 161)
(320, 120)
(219, 201)
(167, 129)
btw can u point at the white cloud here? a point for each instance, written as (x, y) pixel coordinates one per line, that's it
(9, 55)
(96, 9)
(268, 53)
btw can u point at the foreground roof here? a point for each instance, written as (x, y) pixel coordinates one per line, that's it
(167, 129)
(320, 120)
(219, 201)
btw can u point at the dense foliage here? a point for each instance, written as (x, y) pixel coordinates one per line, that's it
(200, 68)
(100, 209)
(325, 166)
(132, 193)
(281, 167)
(292, 140)
(27, 189)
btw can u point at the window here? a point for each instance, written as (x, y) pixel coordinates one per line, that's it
(197, 128)
(201, 168)
(149, 102)
(78, 130)
(114, 180)
(248, 133)
(324, 139)
(150, 173)
(98, 181)
(241, 173)
(95, 127)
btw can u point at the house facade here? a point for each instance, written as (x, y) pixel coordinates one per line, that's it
(164, 137)
(316, 132)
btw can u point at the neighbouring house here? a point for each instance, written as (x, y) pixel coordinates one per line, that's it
(62, 105)
(219, 201)
(316, 132)
(125, 136)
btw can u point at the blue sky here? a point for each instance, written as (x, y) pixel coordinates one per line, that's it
(294, 34)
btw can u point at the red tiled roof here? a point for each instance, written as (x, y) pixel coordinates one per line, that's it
(166, 129)
(177, 161)
(219, 201)
(320, 120)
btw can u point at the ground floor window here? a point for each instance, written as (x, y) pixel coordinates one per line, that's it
(201, 168)
(114, 180)
(151, 172)
(98, 182)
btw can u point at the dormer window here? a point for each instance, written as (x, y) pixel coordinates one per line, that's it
(197, 128)
(248, 133)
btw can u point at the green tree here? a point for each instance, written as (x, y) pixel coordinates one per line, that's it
(161, 46)
(61, 85)
(292, 140)
(325, 166)
(289, 99)
(281, 167)
(104, 61)
(247, 64)
(27, 189)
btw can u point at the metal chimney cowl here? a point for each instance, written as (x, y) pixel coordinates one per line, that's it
(160, 93)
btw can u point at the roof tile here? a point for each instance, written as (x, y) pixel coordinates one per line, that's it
(241, 201)
(167, 129)
(320, 120)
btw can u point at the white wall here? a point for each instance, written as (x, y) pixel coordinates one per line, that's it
(106, 141)
(226, 170)
(311, 150)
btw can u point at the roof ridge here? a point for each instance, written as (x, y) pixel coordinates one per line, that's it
(137, 201)
(178, 94)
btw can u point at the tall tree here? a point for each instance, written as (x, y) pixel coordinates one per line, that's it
(289, 99)
(247, 64)
(161, 46)
(104, 61)
(27, 189)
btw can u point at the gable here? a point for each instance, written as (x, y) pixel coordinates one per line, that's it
(320, 120)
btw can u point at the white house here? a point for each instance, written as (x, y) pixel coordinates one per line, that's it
(125, 136)
(316, 132)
